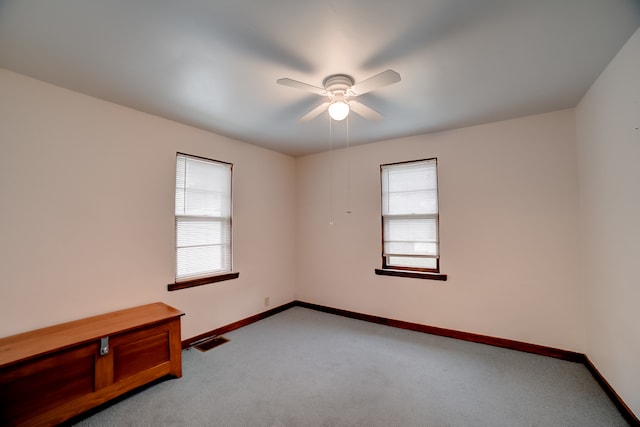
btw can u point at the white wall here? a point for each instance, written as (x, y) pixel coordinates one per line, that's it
(508, 203)
(608, 135)
(86, 223)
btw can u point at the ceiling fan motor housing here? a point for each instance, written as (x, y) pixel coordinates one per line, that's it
(337, 85)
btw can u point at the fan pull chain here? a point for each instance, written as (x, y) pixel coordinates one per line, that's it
(348, 170)
(330, 171)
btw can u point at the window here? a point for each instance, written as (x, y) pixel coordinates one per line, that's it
(203, 221)
(410, 245)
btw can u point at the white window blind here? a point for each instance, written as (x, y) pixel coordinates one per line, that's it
(410, 215)
(203, 217)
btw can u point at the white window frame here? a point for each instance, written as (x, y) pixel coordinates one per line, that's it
(390, 203)
(213, 214)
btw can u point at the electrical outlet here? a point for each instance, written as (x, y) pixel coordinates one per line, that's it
(266, 301)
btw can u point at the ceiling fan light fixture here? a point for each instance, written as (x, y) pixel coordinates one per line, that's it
(339, 89)
(338, 110)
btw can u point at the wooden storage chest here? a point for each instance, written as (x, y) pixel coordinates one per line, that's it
(52, 374)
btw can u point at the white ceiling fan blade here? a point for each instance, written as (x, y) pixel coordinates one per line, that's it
(315, 112)
(302, 86)
(379, 80)
(364, 111)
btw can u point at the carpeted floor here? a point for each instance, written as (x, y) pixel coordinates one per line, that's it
(306, 368)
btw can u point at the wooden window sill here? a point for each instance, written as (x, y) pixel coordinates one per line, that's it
(412, 274)
(202, 281)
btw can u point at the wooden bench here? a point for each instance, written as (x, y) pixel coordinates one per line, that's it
(52, 374)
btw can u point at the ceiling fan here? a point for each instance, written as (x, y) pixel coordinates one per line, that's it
(340, 89)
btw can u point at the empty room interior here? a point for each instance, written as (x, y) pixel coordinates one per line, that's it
(524, 115)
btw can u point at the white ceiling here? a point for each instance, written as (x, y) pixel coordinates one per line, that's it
(214, 64)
